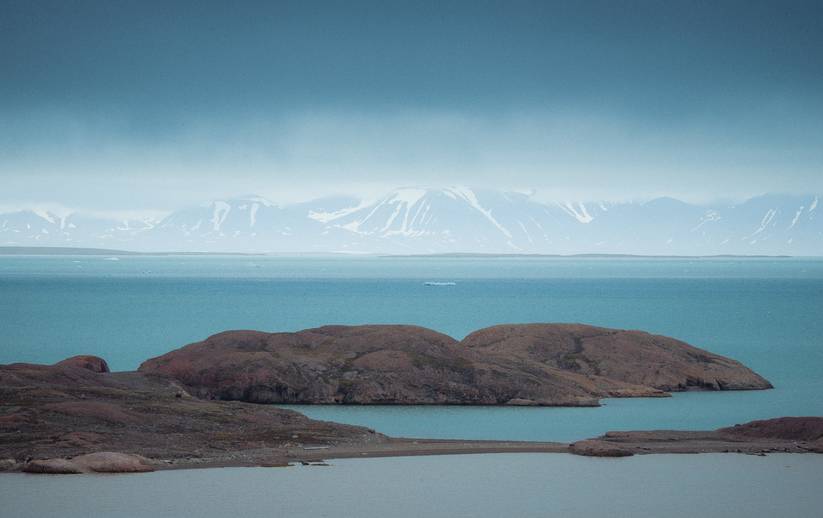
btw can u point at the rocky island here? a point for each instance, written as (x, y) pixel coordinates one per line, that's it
(200, 405)
(526, 364)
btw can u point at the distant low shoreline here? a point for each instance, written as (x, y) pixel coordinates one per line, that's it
(72, 251)
(591, 256)
(75, 251)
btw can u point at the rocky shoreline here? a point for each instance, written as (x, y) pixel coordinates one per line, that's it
(200, 406)
(778, 435)
(612, 444)
(71, 409)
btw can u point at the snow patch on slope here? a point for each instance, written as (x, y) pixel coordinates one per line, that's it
(709, 216)
(45, 215)
(796, 216)
(253, 213)
(469, 196)
(767, 218)
(327, 217)
(580, 213)
(221, 211)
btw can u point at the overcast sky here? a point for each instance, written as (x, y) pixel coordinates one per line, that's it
(114, 105)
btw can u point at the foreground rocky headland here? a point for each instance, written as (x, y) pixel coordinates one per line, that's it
(527, 364)
(75, 408)
(199, 406)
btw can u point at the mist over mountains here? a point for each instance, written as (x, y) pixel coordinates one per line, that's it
(444, 220)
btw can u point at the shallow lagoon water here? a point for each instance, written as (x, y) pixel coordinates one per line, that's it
(522, 485)
(763, 312)
(684, 411)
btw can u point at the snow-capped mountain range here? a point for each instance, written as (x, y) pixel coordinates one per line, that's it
(445, 220)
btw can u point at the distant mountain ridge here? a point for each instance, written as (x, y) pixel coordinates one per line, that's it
(445, 220)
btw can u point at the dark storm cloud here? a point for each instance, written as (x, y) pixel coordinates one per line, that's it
(689, 97)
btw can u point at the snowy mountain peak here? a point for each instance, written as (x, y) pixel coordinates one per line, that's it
(441, 220)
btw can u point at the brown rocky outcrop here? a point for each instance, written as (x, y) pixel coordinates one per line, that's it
(786, 428)
(779, 435)
(88, 362)
(332, 364)
(65, 419)
(529, 364)
(52, 417)
(632, 357)
(806, 431)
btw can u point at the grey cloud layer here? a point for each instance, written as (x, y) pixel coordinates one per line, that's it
(107, 105)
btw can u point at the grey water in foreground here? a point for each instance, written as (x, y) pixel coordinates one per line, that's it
(763, 312)
(523, 485)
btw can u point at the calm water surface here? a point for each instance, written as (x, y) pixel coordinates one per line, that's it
(522, 485)
(763, 312)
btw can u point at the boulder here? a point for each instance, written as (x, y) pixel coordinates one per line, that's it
(98, 462)
(112, 462)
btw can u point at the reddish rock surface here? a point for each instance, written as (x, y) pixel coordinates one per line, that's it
(194, 406)
(52, 467)
(112, 462)
(65, 419)
(779, 435)
(531, 364)
(595, 448)
(51, 415)
(632, 357)
(787, 428)
(92, 363)
(99, 462)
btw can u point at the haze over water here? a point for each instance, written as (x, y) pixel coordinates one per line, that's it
(762, 312)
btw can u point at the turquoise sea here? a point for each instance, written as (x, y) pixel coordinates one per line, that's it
(763, 312)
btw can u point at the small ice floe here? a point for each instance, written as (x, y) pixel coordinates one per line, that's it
(111, 259)
(439, 283)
